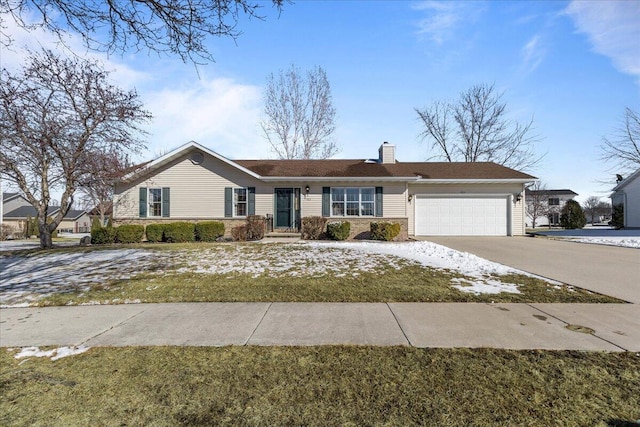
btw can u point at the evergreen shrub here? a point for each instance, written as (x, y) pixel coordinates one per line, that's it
(209, 231)
(338, 230)
(386, 231)
(155, 232)
(179, 232)
(103, 236)
(572, 216)
(129, 233)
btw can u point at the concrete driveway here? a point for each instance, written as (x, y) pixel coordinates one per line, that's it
(608, 270)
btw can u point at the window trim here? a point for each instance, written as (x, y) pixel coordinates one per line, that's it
(151, 203)
(235, 202)
(344, 202)
(553, 199)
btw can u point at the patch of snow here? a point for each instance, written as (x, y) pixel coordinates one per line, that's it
(24, 279)
(598, 236)
(55, 354)
(486, 286)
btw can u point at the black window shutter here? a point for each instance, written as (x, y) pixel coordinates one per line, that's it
(326, 201)
(252, 200)
(166, 202)
(228, 202)
(378, 201)
(143, 202)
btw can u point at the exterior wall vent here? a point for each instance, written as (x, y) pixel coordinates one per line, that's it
(197, 158)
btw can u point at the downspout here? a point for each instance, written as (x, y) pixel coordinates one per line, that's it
(510, 216)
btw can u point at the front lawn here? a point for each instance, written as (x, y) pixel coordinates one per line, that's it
(173, 386)
(268, 272)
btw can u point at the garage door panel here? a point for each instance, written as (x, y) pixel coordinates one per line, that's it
(471, 215)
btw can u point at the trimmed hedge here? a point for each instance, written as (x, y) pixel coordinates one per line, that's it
(129, 233)
(103, 236)
(155, 232)
(386, 231)
(339, 230)
(313, 227)
(209, 231)
(179, 232)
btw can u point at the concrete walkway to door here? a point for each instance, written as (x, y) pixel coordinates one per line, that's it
(608, 270)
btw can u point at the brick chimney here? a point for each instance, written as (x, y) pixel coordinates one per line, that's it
(387, 153)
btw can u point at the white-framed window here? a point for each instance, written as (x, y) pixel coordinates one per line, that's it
(155, 202)
(554, 201)
(353, 201)
(240, 201)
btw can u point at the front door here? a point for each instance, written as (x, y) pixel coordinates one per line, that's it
(287, 208)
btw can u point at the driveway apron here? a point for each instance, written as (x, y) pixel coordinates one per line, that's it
(608, 270)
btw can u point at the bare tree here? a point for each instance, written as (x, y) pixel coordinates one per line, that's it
(595, 208)
(56, 116)
(178, 27)
(96, 188)
(623, 149)
(481, 131)
(537, 202)
(591, 208)
(300, 118)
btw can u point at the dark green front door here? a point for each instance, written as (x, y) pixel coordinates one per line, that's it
(284, 207)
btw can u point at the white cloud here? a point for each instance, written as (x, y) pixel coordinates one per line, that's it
(533, 53)
(218, 113)
(613, 28)
(444, 18)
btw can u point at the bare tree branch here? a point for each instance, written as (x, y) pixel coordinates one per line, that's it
(179, 27)
(299, 114)
(57, 116)
(623, 149)
(537, 202)
(482, 131)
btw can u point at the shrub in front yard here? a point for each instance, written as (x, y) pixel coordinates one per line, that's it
(338, 230)
(179, 232)
(239, 233)
(572, 215)
(313, 227)
(252, 230)
(617, 216)
(209, 231)
(386, 231)
(129, 233)
(155, 232)
(103, 236)
(255, 227)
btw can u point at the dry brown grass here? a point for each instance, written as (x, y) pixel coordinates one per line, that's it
(172, 386)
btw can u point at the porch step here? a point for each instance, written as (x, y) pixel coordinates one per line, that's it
(282, 235)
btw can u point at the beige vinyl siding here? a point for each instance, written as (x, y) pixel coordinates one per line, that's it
(517, 209)
(196, 191)
(394, 197)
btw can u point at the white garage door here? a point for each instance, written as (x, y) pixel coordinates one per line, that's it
(461, 216)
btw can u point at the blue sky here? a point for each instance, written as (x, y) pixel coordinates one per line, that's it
(571, 66)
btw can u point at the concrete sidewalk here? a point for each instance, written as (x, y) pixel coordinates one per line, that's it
(616, 327)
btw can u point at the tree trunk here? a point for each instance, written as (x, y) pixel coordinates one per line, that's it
(45, 236)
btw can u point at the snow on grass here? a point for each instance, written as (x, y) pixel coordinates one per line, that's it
(54, 354)
(437, 256)
(24, 279)
(610, 241)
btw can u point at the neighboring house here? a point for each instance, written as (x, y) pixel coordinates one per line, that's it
(627, 194)
(17, 210)
(193, 183)
(553, 201)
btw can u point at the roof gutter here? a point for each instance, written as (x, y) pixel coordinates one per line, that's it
(475, 181)
(339, 178)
